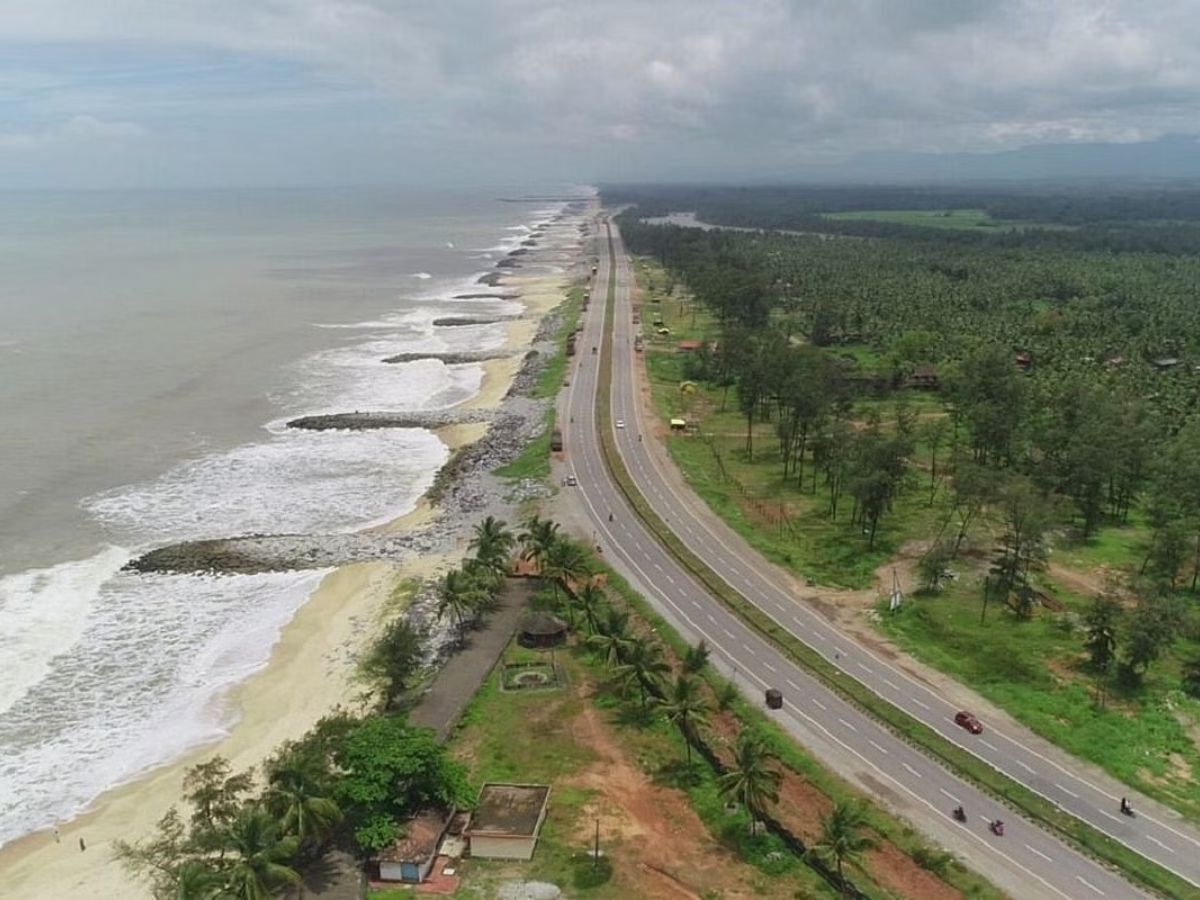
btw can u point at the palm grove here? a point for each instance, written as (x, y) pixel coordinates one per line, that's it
(1066, 400)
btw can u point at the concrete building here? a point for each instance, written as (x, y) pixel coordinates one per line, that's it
(507, 820)
(412, 856)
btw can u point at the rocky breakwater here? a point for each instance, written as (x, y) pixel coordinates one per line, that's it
(451, 358)
(459, 321)
(372, 421)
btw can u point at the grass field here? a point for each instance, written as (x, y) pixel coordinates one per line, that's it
(969, 219)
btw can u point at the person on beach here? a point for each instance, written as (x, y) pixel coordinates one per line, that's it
(57, 835)
(82, 845)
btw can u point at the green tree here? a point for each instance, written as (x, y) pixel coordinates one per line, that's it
(934, 566)
(643, 667)
(843, 838)
(537, 539)
(752, 779)
(260, 864)
(566, 562)
(1150, 630)
(590, 600)
(611, 639)
(390, 770)
(988, 395)
(217, 798)
(1190, 677)
(1026, 515)
(1100, 629)
(686, 708)
(297, 796)
(493, 545)
(196, 880)
(394, 658)
(695, 658)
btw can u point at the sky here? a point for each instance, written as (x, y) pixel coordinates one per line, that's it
(116, 93)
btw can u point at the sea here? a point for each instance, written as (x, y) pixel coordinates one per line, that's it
(152, 346)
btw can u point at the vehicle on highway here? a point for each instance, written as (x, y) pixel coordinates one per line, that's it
(997, 828)
(960, 814)
(774, 699)
(964, 719)
(620, 423)
(570, 481)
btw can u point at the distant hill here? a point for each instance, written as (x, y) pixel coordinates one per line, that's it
(1168, 158)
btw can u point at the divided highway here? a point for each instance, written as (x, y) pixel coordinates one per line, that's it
(1026, 862)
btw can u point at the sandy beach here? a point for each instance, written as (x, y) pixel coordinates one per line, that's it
(310, 672)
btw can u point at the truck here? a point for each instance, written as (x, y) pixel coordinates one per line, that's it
(556, 441)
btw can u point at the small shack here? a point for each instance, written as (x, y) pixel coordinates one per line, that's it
(411, 857)
(679, 424)
(507, 820)
(924, 378)
(540, 630)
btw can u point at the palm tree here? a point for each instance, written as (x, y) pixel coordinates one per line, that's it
(589, 600)
(537, 539)
(842, 838)
(261, 864)
(296, 798)
(460, 595)
(564, 563)
(752, 780)
(696, 658)
(644, 666)
(686, 707)
(612, 638)
(194, 880)
(493, 544)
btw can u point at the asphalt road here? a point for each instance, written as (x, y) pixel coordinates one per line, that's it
(1026, 861)
(1157, 833)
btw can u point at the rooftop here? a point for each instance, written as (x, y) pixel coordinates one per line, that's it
(509, 809)
(420, 840)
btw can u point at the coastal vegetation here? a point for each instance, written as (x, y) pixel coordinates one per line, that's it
(644, 712)
(1001, 416)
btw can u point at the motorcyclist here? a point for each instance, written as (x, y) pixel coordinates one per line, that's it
(610, 517)
(1125, 807)
(998, 827)
(960, 814)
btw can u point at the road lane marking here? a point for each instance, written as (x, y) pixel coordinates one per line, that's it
(919, 703)
(882, 750)
(819, 704)
(1028, 768)
(847, 724)
(911, 770)
(989, 745)
(1151, 837)
(1038, 852)
(749, 649)
(1069, 793)
(793, 685)
(712, 618)
(865, 667)
(1084, 881)
(950, 795)
(891, 684)
(770, 667)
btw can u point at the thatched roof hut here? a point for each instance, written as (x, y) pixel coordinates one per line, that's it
(541, 629)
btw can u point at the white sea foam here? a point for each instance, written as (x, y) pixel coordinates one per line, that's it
(43, 613)
(422, 275)
(141, 686)
(294, 482)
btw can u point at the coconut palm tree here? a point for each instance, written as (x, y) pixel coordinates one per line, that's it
(564, 563)
(752, 779)
(195, 880)
(462, 596)
(611, 640)
(686, 707)
(261, 862)
(696, 658)
(644, 666)
(589, 601)
(842, 838)
(296, 797)
(493, 544)
(537, 539)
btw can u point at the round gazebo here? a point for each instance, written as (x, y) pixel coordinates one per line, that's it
(540, 630)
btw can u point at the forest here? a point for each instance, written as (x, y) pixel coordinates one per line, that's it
(1021, 390)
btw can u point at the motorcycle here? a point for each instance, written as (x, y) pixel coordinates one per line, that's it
(960, 814)
(1126, 809)
(997, 828)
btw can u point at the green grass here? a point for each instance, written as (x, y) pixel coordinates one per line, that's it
(957, 219)
(534, 460)
(1150, 875)
(1139, 737)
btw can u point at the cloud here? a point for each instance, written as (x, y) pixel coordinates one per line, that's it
(82, 130)
(710, 84)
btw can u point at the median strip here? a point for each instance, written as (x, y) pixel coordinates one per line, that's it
(1087, 839)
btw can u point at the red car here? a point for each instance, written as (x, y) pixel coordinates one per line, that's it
(966, 720)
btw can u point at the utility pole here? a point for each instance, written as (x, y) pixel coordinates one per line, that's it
(596, 850)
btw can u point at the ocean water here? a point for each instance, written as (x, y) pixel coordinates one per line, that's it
(151, 347)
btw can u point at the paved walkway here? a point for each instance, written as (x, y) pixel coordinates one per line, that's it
(463, 673)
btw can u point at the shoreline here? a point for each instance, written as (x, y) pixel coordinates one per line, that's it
(283, 699)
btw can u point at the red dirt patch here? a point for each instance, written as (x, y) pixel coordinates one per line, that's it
(654, 836)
